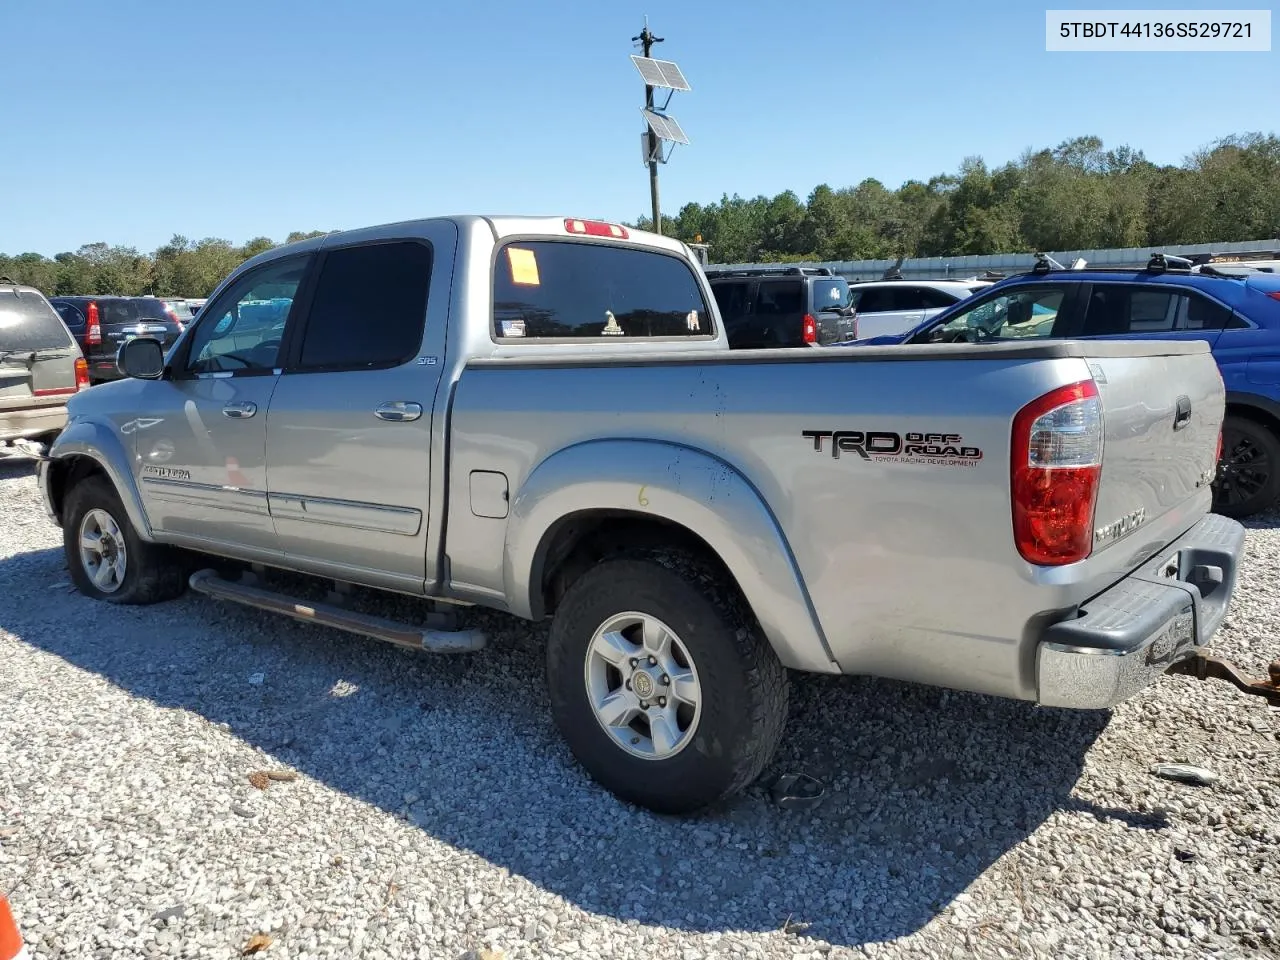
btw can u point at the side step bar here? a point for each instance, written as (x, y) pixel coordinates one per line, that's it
(402, 635)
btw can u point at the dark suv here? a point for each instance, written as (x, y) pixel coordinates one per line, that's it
(101, 324)
(794, 307)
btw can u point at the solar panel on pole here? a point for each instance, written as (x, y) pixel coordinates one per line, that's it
(660, 73)
(665, 127)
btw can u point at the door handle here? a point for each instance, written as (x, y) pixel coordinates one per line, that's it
(240, 410)
(398, 411)
(1181, 412)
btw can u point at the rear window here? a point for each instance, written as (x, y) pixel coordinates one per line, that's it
(562, 289)
(150, 308)
(830, 293)
(27, 322)
(117, 311)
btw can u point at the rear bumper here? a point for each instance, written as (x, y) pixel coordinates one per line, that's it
(22, 424)
(1128, 635)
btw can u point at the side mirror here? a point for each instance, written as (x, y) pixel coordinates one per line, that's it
(141, 358)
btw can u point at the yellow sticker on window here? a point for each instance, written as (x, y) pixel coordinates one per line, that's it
(524, 266)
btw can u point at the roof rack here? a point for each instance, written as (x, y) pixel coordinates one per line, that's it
(771, 271)
(1045, 263)
(1163, 262)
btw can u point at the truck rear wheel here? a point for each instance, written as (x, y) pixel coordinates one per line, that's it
(106, 557)
(662, 684)
(1248, 479)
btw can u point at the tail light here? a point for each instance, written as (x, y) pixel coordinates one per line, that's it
(82, 374)
(810, 329)
(596, 228)
(92, 328)
(1217, 454)
(1057, 463)
(1274, 294)
(169, 312)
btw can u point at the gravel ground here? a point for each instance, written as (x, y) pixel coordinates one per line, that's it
(435, 812)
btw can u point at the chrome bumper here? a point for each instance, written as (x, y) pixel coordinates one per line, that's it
(1127, 636)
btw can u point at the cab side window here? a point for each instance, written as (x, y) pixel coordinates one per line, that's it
(242, 330)
(369, 310)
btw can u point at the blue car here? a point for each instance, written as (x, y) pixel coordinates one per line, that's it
(1237, 312)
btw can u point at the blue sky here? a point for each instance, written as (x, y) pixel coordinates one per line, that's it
(137, 119)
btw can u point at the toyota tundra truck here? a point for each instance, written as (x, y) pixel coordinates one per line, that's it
(543, 417)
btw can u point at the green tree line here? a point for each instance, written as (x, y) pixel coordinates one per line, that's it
(180, 268)
(1077, 195)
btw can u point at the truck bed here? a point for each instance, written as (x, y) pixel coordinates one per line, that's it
(895, 555)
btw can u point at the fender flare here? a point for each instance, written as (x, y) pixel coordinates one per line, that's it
(679, 484)
(86, 438)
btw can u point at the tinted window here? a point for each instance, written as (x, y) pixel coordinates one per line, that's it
(370, 306)
(564, 289)
(27, 322)
(1020, 314)
(935, 299)
(830, 293)
(1127, 308)
(150, 308)
(1203, 314)
(777, 298)
(70, 314)
(873, 299)
(242, 329)
(731, 298)
(112, 312)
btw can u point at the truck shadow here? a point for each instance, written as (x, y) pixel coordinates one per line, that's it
(926, 789)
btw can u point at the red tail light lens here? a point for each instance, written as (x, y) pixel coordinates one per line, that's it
(810, 329)
(1274, 294)
(596, 228)
(1057, 462)
(82, 374)
(92, 329)
(1217, 454)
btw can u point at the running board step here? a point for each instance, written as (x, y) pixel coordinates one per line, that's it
(392, 631)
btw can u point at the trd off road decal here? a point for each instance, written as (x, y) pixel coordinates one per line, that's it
(887, 446)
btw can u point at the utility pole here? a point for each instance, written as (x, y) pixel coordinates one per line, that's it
(648, 40)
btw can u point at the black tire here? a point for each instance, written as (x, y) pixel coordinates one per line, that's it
(1248, 479)
(153, 573)
(743, 686)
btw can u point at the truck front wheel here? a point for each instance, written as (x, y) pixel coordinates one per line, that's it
(106, 557)
(662, 684)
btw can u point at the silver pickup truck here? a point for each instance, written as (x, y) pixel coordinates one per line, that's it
(542, 416)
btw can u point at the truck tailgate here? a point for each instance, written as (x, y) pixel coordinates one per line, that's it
(1162, 414)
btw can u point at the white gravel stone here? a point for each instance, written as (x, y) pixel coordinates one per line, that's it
(437, 814)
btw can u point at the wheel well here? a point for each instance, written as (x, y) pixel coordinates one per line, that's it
(65, 473)
(1256, 414)
(581, 540)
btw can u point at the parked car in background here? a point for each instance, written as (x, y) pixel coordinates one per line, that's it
(101, 324)
(40, 366)
(179, 308)
(195, 303)
(793, 307)
(896, 306)
(1237, 311)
